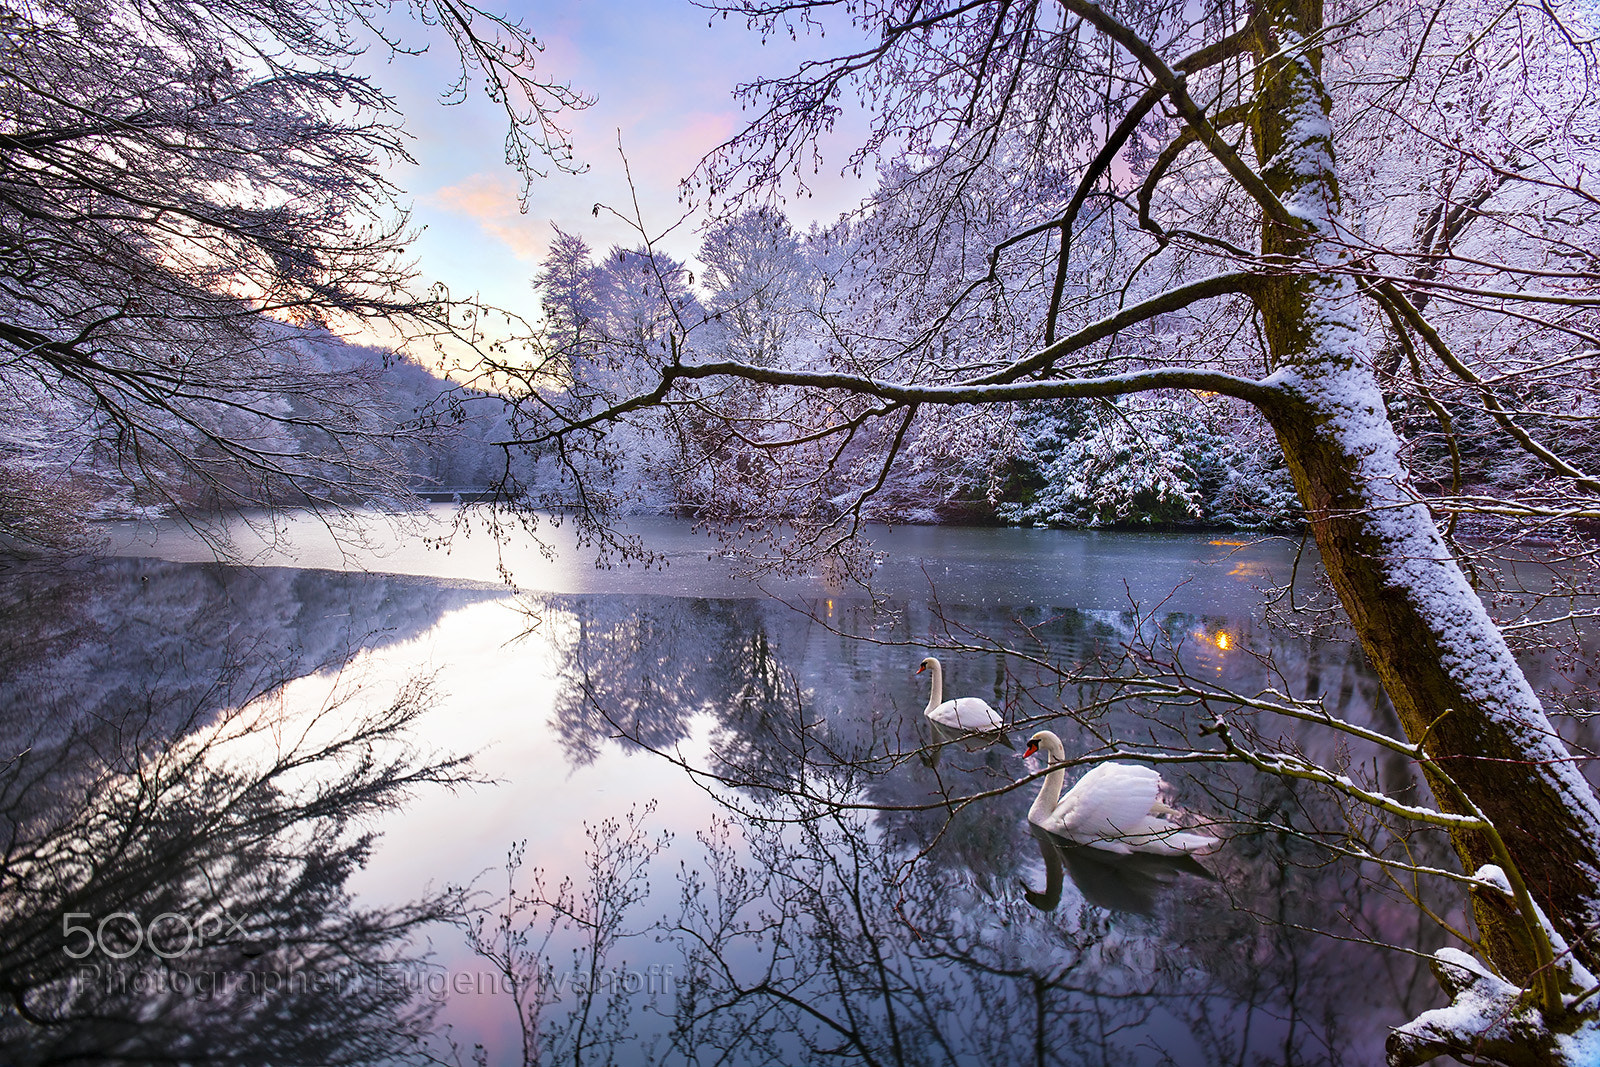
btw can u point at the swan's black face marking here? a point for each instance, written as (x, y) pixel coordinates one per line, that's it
(1033, 746)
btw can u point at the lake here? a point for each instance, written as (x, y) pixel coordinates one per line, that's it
(703, 822)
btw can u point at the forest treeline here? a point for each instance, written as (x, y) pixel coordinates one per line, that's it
(761, 292)
(768, 295)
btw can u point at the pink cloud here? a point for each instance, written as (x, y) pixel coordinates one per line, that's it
(491, 201)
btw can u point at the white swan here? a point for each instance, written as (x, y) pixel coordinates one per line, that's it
(1116, 807)
(966, 714)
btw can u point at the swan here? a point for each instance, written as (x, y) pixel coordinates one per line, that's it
(969, 715)
(1116, 807)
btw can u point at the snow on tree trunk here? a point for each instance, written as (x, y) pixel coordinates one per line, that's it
(1449, 672)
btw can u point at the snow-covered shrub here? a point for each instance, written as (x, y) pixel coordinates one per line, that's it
(1148, 460)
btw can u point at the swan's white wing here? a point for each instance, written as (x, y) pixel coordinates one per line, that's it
(1113, 800)
(968, 714)
(1118, 807)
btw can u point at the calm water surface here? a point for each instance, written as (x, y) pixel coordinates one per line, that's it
(706, 823)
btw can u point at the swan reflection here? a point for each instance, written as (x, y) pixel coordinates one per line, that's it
(962, 739)
(1115, 881)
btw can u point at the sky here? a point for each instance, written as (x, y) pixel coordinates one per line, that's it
(662, 79)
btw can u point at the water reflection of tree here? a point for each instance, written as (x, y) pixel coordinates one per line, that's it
(807, 938)
(94, 639)
(643, 667)
(813, 940)
(865, 907)
(173, 881)
(520, 931)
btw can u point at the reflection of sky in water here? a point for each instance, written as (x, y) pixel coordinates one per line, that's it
(499, 697)
(688, 674)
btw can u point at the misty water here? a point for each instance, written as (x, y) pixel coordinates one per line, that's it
(708, 822)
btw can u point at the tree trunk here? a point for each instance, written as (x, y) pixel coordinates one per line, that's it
(1446, 668)
(1453, 682)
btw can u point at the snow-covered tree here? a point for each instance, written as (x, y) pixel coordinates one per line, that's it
(566, 286)
(1110, 463)
(1154, 458)
(758, 281)
(190, 191)
(609, 325)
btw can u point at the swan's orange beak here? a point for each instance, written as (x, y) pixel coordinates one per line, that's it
(1033, 746)
(922, 668)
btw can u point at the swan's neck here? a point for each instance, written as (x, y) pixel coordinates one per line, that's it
(1044, 805)
(938, 687)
